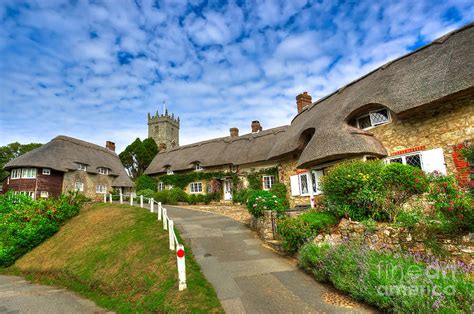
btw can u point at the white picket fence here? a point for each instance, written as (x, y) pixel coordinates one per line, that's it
(162, 215)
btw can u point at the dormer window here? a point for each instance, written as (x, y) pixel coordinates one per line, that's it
(81, 167)
(373, 119)
(197, 166)
(103, 170)
(169, 171)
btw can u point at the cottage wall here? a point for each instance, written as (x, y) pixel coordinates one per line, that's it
(443, 127)
(42, 183)
(89, 180)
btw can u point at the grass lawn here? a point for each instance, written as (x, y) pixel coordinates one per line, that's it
(119, 257)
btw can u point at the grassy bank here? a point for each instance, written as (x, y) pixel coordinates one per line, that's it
(118, 256)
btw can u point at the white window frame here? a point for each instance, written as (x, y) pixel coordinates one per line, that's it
(161, 186)
(304, 174)
(372, 124)
(28, 173)
(15, 174)
(29, 193)
(81, 167)
(195, 187)
(267, 182)
(103, 170)
(100, 189)
(198, 167)
(404, 158)
(44, 194)
(79, 186)
(169, 171)
(46, 171)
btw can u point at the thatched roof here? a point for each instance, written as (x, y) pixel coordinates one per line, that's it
(440, 70)
(245, 149)
(63, 153)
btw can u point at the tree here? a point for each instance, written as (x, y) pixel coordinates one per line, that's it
(11, 151)
(138, 156)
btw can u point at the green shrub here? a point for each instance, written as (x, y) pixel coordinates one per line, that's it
(212, 197)
(147, 193)
(354, 189)
(260, 201)
(370, 224)
(397, 283)
(176, 195)
(145, 182)
(242, 196)
(452, 202)
(279, 189)
(409, 218)
(298, 230)
(25, 223)
(401, 182)
(361, 190)
(162, 196)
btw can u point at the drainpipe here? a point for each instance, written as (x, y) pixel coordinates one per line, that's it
(311, 191)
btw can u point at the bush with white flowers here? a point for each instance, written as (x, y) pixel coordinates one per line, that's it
(259, 201)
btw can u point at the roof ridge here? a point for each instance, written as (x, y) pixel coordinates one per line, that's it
(438, 41)
(83, 143)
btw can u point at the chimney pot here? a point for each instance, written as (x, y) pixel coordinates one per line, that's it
(256, 127)
(234, 132)
(303, 100)
(110, 145)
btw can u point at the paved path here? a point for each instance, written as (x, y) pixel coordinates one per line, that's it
(20, 296)
(248, 277)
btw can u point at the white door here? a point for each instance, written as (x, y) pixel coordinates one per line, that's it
(227, 189)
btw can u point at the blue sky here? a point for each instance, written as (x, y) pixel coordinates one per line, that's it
(94, 69)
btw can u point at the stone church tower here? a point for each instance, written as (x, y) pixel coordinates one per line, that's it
(164, 129)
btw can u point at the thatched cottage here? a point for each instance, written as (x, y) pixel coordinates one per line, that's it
(417, 110)
(67, 164)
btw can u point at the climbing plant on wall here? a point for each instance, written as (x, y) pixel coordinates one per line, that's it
(181, 180)
(255, 177)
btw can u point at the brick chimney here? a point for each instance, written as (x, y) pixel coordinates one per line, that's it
(110, 145)
(256, 127)
(303, 101)
(234, 132)
(162, 147)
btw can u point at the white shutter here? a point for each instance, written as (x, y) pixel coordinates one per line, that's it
(295, 185)
(318, 175)
(433, 160)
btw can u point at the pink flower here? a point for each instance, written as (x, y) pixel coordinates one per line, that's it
(450, 208)
(461, 217)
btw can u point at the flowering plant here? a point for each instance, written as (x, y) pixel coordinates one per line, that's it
(260, 201)
(452, 201)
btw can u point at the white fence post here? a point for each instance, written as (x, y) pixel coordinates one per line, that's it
(121, 198)
(152, 205)
(181, 267)
(165, 217)
(110, 197)
(105, 198)
(131, 199)
(159, 210)
(171, 234)
(141, 201)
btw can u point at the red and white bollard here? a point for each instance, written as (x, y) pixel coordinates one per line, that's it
(181, 267)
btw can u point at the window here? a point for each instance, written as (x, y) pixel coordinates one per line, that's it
(268, 182)
(197, 166)
(161, 186)
(16, 174)
(374, 118)
(28, 173)
(300, 184)
(411, 160)
(29, 193)
(102, 189)
(44, 194)
(428, 160)
(46, 172)
(82, 167)
(79, 186)
(169, 171)
(234, 168)
(103, 170)
(195, 187)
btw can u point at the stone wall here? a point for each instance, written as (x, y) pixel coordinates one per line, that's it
(287, 169)
(265, 226)
(459, 247)
(442, 127)
(89, 180)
